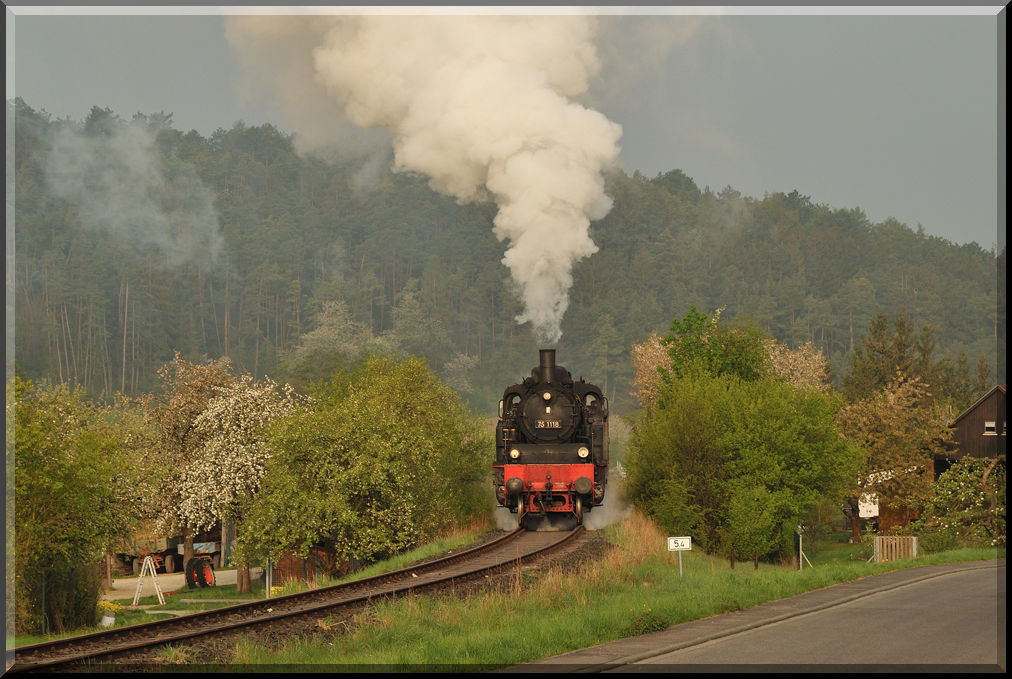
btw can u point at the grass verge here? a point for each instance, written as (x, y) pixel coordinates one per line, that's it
(456, 541)
(124, 619)
(460, 539)
(633, 590)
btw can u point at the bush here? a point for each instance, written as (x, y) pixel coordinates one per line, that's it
(387, 456)
(934, 542)
(965, 508)
(67, 507)
(736, 463)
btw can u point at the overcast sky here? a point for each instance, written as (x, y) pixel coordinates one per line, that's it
(896, 115)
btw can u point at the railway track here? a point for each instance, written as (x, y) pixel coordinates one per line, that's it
(136, 640)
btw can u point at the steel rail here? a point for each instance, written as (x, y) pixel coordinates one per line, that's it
(205, 617)
(126, 640)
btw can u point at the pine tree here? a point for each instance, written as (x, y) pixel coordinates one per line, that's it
(982, 377)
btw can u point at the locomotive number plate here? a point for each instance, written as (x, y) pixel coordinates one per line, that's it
(548, 424)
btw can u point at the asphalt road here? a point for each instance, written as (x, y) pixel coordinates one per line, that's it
(944, 620)
(947, 617)
(124, 588)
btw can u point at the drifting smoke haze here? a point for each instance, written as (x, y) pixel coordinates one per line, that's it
(612, 510)
(122, 183)
(504, 519)
(481, 105)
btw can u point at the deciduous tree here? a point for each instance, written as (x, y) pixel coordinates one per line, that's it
(227, 469)
(967, 506)
(173, 438)
(386, 456)
(898, 430)
(737, 463)
(73, 498)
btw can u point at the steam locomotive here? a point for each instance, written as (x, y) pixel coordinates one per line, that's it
(551, 461)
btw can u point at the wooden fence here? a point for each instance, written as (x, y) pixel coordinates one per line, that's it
(309, 570)
(892, 547)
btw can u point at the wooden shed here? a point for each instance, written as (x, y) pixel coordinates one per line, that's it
(979, 431)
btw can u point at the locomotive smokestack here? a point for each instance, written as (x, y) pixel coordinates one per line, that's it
(547, 364)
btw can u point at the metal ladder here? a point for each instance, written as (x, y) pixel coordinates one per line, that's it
(148, 567)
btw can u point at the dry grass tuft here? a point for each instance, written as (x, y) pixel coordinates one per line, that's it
(640, 542)
(175, 655)
(329, 623)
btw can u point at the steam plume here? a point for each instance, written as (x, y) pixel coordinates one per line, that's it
(124, 184)
(484, 107)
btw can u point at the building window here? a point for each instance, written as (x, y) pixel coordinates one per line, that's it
(989, 429)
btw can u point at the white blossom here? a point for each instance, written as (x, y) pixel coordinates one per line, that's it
(230, 464)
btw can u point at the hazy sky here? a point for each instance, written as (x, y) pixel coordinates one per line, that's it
(893, 114)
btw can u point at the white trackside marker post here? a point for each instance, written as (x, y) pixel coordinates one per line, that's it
(680, 545)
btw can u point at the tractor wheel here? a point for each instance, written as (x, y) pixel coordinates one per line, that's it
(170, 563)
(191, 571)
(206, 574)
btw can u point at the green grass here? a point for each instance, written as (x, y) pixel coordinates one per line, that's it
(633, 590)
(123, 619)
(172, 599)
(455, 542)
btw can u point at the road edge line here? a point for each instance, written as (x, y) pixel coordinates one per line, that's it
(630, 659)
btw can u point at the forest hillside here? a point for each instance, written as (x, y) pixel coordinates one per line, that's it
(135, 240)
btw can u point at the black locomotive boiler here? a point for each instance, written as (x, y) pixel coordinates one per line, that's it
(551, 447)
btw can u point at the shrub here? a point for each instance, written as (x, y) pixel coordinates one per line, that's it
(965, 508)
(736, 463)
(387, 456)
(69, 503)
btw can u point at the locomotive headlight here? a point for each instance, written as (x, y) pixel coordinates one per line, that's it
(515, 454)
(583, 452)
(547, 396)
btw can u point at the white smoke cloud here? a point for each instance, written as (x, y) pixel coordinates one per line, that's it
(504, 519)
(122, 183)
(612, 510)
(484, 107)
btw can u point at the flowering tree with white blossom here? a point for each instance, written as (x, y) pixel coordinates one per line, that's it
(171, 437)
(228, 467)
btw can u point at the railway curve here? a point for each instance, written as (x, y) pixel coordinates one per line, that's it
(126, 641)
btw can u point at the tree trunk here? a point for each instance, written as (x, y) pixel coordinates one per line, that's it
(242, 584)
(108, 573)
(126, 318)
(242, 581)
(855, 520)
(187, 546)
